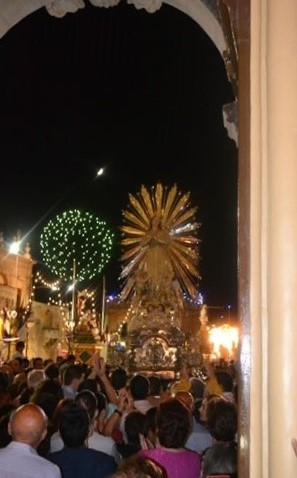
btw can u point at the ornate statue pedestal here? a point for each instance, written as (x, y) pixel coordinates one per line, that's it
(84, 346)
(155, 349)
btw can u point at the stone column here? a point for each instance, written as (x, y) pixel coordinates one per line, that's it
(273, 236)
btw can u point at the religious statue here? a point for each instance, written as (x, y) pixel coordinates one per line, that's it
(160, 250)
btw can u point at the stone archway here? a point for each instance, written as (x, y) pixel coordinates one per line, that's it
(202, 12)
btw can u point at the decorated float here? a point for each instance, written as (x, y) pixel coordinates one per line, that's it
(159, 270)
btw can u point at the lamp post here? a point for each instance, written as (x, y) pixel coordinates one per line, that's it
(72, 317)
(103, 307)
(73, 307)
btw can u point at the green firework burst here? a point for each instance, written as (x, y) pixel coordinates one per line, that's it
(76, 235)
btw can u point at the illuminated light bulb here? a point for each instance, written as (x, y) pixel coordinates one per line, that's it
(15, 247)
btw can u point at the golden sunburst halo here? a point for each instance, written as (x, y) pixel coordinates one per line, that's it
(176, 244)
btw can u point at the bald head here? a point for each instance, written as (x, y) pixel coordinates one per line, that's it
(28, 424)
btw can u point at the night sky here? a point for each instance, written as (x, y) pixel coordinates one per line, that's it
(137, 93)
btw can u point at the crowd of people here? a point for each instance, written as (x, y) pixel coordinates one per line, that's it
(66, 419)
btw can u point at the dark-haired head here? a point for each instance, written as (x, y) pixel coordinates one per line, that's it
(138, 466)
(174, 423)
(118, 378)
(222, 420)
(139, 387)
(220, 458)
(88, 400)
(74, 425)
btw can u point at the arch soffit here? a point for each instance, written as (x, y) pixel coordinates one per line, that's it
(14, 11)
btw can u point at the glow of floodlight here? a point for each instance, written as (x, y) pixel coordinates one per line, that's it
(15, 247)
(70, 288)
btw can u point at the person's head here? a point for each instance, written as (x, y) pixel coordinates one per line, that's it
(207, 405)
(220, 458)
(89, 384)
(197, 388)
(155, 385)
(34, 378)
(20, 378)
(63, 403)
(118, 378)
(137, 466)
(20, 346)
(7, 369)
(72, 376)
(88, 400)
(28, 424)
(139, 387)
(135, 425)
(187, 399)
(59, 360)
(47, 395)
(16, 365)
(222, 420)
(37, 363)
(225, 380)
(71, 359)
(47, 362)
(52, 371)
(25, 363)
(174, 422)
(47, 402)
(74, 425)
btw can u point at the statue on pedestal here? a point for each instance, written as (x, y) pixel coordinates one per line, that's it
(160, 263)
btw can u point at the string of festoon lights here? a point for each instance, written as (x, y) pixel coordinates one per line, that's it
(64, 305)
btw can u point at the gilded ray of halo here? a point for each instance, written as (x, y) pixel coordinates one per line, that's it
(147, 203)
(186, 216)
(131, 241)
(180, 234)
(147, 200)
(158, 196)
(187, 258)
(187, 228)
(188, 241)
(188, 250)
(138, 206)
(132, 252)
(182, 270)
(170, 198)
(131, 266)
(179, 207)
(134, 219)
(132, 230)
(186, 282)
